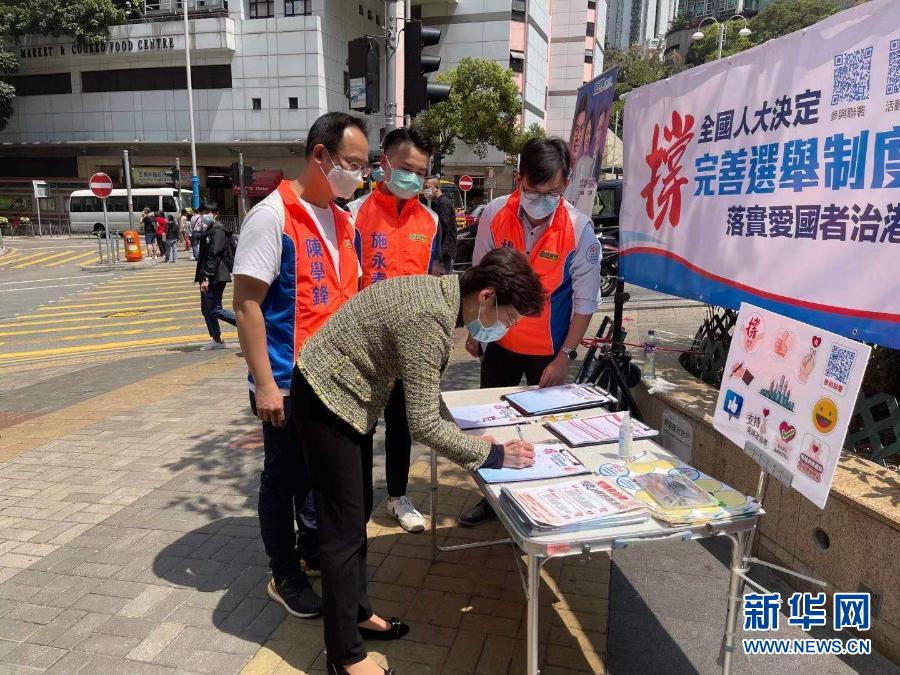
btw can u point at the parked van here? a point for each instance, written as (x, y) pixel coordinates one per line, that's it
(86, 210)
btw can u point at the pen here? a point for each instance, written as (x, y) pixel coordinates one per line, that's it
(519, 431)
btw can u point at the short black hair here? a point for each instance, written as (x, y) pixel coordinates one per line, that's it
(407, 135)
(514, 281)
(203, 207)
(328, 130)
(542, 158)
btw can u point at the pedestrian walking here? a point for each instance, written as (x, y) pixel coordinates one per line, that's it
(148, 220)
(184, 223)
(198, 227)
(213, 274)
(442, 206)
(173, 236)
(160, 232)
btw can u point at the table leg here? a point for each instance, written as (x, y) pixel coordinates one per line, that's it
(735, 590)
(533, 635)
(434, 488)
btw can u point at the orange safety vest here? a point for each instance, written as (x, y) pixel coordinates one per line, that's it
(319, 292)
(550, 259)
(392, 244)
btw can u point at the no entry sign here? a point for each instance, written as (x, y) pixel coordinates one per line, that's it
(465, 183)
(101, 185)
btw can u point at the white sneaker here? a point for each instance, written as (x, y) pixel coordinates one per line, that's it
(212, 345)
(403, 510)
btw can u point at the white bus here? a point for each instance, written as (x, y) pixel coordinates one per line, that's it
(86, 211)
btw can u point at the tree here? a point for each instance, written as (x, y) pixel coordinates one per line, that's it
(521, 137)
(637, 66)
(707, 49)
(482, 111)
(786, 16)
(86, 21)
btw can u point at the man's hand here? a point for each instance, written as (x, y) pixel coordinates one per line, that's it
(556, 371)
(204, 285)
(270, 405)
(472, 346)
(518, 454)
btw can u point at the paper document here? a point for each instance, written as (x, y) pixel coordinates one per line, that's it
(595, 430)
(550, 461)
(486, 415)
(579, 503)
(559, 399)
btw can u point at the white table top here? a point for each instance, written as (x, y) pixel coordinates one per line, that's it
(598, 539)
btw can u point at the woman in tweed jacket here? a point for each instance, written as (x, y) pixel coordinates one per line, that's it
(400, 328)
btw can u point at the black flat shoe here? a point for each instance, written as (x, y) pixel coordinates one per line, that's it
(397, 630)
(340, 670)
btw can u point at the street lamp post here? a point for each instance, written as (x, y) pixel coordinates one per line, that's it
(195, 180)
(721, 27)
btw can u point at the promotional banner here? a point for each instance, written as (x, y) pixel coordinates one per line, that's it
(789, 389)
(588, 138)
(772, 177)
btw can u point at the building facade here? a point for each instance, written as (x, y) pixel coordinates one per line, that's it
(262, 72)
(643, 22)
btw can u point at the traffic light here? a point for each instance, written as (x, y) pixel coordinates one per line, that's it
(174, 176)
(249, 174)
(419, 93)
(364, 65)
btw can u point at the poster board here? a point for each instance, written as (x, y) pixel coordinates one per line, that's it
(773, 177)
(789, 389)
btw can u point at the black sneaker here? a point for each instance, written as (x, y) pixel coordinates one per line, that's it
(296, 596)
(477, 515)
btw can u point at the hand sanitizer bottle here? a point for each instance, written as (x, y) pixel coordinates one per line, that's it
(625, 436)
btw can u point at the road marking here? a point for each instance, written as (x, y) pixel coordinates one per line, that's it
(41, 260)
(98, 314)
(112, 333)
(82, 349)
(36, 288)
(146, 303)
(34, 281)
(96, 295)
(74, 259)
(6, 262)
(83, 327)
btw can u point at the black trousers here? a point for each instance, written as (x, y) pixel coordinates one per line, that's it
(340, 467)
(397, 442)
(503, 368)
(283, 489)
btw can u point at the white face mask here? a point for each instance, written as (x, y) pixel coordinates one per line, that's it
(343, 182)
(540, 207)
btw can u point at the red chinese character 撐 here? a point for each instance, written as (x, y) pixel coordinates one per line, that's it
(668, 200)
(752, 327)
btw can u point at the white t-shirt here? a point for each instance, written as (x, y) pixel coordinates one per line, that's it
(259, 247)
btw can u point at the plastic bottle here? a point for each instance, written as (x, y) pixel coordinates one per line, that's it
(626, 441)
(650, 355)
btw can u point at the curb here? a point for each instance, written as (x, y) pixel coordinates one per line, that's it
(119, 266)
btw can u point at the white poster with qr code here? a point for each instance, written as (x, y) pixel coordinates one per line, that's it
(790, 389)
(766, 176)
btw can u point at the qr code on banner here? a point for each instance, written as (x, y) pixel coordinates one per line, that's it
(893, 76)
(852, 71)
(838, 368)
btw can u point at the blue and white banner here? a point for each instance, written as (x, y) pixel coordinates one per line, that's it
(773, 177)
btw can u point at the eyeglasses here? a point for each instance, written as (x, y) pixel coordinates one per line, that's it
(349, 165)
(531, 194)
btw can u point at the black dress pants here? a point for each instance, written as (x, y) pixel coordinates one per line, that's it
(503, 368)
(397, 442)
(339, 459)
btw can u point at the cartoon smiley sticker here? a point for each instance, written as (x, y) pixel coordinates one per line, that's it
(824, 415)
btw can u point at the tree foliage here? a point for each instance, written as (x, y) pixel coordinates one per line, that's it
(637, 66)
(707, 49)
(482, 111)
(86, 21)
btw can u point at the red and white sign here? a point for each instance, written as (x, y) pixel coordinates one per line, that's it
(466, 183)
(101, 185)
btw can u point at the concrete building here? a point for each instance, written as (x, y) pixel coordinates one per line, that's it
(643, 22)
(263, 71)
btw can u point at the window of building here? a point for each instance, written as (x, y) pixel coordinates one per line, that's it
(262, 9)
(517, 61)
(293, 104)
(256, 103)
(518, 10)
(710, 6)
(592, 4)
(370, 15)
(378, 19)
(362, 12)
(41, 85)
(297, 7)
(150, 79)
(590, 29)
(588, 56)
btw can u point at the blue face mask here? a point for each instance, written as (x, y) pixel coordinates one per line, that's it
(483, 333)
(540, 206)
(404, 184)
(378, 174)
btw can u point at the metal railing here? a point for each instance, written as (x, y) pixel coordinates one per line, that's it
(160, 10)
(50, 226)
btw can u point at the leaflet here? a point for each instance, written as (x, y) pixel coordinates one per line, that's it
(550, 461)
(595, 430)
(579, 503)
(486, 415)
(559, 399)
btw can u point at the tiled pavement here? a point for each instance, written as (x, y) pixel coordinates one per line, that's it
(129, 544)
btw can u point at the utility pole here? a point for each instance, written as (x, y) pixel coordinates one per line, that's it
(178, 184)
(126, 165)
(195, 180)
(393, 64)
(242, 202)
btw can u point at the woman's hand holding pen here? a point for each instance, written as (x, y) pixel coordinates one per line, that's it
(518, 454)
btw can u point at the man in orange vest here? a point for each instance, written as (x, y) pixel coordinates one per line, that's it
(560, 244)
(398, 236)
(296, 265)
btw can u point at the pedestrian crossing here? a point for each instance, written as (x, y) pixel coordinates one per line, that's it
(150, 309)
(47, 258)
